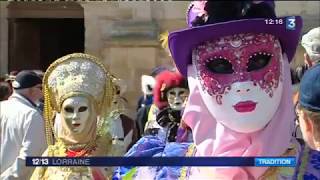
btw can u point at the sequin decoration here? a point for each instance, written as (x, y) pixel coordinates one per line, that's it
(85, 76)
(237, 50)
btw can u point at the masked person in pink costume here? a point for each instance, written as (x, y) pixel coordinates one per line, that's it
(237, 64)
(236, 57)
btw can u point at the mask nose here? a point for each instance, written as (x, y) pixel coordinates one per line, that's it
(243, 90)
(75, 116)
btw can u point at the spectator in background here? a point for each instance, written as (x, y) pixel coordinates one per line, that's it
(5, 90)
(10, 78)
(308, 111)
(40, 73)
(22, 127)
(311, 43)
(40, 103)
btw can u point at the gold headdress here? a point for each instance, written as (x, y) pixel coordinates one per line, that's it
(76, 74)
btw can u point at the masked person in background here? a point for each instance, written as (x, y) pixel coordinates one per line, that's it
(122, 127)
(170, 94)
(145, 102)
(148, 110)
(78, 92)
(150, 120)
(147, 84)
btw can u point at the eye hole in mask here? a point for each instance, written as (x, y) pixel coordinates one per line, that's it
(220, 66)
(82, 109)
(149, 87)
(258, 62)
(68, 109)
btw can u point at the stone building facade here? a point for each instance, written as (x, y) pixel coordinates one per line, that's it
(130, 56)
(124, 34)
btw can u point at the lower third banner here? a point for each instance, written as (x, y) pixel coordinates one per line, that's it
(161, 161)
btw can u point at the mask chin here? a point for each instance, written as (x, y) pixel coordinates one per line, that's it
(177, 107)
(77, 130)
(242, 84)
(244, 113)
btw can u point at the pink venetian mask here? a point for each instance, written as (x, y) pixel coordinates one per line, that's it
(240, 76)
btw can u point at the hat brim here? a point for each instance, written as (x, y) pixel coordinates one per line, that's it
(181, 43)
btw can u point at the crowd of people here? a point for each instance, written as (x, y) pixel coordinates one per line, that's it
(230, 95)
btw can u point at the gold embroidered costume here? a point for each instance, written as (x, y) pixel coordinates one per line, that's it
(78, 95)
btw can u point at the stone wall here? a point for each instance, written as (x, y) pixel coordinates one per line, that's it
(129, 57)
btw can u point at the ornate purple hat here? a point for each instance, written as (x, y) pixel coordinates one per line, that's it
(209, 20)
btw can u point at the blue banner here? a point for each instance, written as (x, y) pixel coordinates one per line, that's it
(275, 161)
(160, 161)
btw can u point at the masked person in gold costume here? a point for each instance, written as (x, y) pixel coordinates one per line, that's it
(78, 95)
(122, 127)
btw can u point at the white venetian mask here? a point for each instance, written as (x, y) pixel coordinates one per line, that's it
(76, 112)
(241, 79)
(177, 97)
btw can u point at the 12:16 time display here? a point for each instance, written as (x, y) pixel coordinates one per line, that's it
(274, 21)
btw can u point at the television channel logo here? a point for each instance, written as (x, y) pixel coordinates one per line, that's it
(291, 23)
